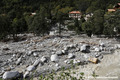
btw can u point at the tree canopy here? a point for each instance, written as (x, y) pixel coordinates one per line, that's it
(16, 17)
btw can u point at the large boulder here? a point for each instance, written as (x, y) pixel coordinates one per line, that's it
(85, 48)
(70, 56)
(11, 75)
(26, 74)
(30, 68)
(97, 49)
(54, 58)
(101, 43)
(36, 63)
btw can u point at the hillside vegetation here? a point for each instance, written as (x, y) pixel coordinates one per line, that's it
(15, 16)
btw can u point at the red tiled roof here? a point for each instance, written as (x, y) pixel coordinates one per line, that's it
(75, 12)
(111, 10)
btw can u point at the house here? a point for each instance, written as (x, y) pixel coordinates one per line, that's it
(115, 8)
(75, 14)
(111, 10)
(119, 4)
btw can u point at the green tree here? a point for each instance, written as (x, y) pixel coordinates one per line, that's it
(60, 20)
(98, 21)
(82, 4)
(87, 27)
(18, 26)
(77, 26)
(39, 25)
(112, 21)
(117, 22)
(4, 27)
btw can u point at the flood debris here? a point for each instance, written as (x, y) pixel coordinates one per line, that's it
(52, 53)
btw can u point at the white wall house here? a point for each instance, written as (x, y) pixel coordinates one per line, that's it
(75, 14)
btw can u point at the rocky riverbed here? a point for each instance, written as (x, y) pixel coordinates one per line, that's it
(39, 55)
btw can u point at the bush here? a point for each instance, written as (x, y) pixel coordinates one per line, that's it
(71, 27)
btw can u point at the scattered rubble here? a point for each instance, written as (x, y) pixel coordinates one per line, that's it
(51, 52)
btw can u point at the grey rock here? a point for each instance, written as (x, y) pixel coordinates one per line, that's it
(70, 56)
(10, 60)
(59, 52)
(19, 61)
(1, 73)
(63, 51)
(75, 45)
(56, 64)
(101, 57)
(36, 63)
(11, 75)
(75, 61)
(54, 58)
(53, 52)
(30, 68)
(14, 55)
(29, 53)
(26, 74)
(117, 46)
(40, 64)
(97, 55)
(66, 48)
(102, 44)
(86, 56)
(77, 49)
(97, 49)
(43, 59)
(67, 61)
(85, 48)
(71, 46)
(101, 48)
(35, 54)
(24, 56)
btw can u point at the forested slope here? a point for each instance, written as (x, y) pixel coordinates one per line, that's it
(16, 15)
